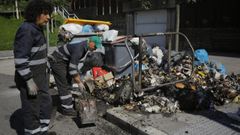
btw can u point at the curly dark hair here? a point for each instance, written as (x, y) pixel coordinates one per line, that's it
(36, 8)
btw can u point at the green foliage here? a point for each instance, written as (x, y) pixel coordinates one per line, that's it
(59, 2)
(58, 20)
(22, 4)
(8, 28)
(9, 5)
(6, 8)
(146, 4)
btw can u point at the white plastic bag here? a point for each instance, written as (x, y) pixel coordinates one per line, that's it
(157, 54)
(72, 27)
(110, 35)
(102, 27)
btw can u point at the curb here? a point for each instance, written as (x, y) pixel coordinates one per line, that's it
(4, 58)
(130, 123)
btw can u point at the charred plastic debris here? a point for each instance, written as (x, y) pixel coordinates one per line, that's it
(170, 82)
(167, 82)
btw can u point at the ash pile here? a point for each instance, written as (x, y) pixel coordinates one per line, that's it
(189, 82)
(166, 82)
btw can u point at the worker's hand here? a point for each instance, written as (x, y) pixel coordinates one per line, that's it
(32, 87)
(81, 86)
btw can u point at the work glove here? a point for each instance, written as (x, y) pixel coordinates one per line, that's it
(32, 87)
(81, 86)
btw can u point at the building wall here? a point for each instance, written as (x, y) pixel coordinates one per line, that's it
(212, 24)
(151, 22)
(155, 16)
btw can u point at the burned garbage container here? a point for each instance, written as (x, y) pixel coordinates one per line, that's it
(118, 59)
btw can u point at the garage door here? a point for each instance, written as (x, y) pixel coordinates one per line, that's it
(149, 22)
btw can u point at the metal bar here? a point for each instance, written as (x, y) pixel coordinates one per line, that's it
(117, 10)
(177, 27)
(150, 34)
(165, 34)
(87, 35)
(52, 25)
(132, 60)
(103, 7)
(169, 51)
(110, 7)
(140, 64)
(65, 14)
(161, 85)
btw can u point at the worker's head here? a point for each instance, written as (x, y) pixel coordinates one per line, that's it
(38, 11)
(94, 43)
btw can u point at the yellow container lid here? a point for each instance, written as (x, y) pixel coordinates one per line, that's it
(85, 21)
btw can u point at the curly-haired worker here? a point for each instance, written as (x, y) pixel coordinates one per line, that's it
(30, 57)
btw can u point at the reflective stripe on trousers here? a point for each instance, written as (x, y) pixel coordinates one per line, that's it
(36, 110)
(63, 80)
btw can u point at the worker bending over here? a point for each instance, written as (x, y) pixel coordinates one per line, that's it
(64, 64)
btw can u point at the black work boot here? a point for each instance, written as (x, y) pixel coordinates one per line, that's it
(51, 133)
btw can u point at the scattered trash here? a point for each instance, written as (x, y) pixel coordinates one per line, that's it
(110, 35)
(156, 104)
(86, 106)
(102, 27)
(237, 99)
(204, 87)
(71, 27)
(201, 56)
(87, 28)
(193, 82)
(157, 55)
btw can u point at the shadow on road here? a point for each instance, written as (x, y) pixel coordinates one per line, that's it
(13, 87)
(77, 121)
(221, 118)
(16, 122)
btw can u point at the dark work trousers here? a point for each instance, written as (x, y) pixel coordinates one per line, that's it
(63, 80)
(37, 109)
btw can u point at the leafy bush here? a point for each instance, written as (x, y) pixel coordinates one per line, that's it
(9, 26)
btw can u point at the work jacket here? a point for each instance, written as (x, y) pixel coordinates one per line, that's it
(30, 50)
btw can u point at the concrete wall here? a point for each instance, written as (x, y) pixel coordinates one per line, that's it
(213, 39)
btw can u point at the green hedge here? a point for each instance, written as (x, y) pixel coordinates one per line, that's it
(8, 28)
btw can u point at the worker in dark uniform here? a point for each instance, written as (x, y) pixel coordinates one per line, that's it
(30, 57)
(64, 64)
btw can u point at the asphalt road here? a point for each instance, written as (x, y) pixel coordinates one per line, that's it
(10, 113)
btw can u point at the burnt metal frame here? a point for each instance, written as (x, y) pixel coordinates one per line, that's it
(139, 88)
